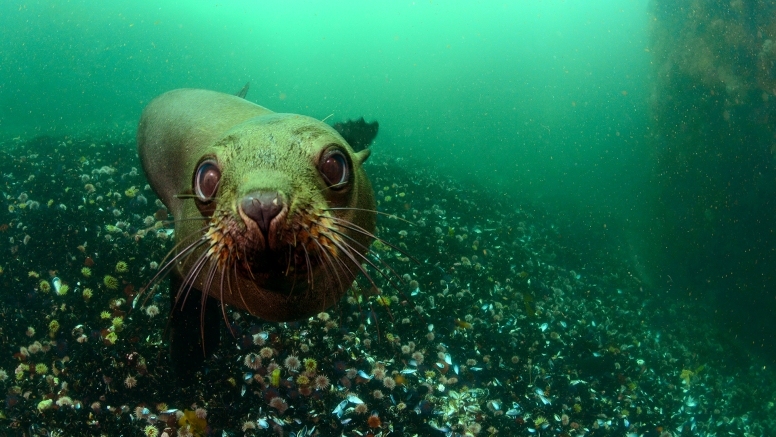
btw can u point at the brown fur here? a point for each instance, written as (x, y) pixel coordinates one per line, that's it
(257, 149)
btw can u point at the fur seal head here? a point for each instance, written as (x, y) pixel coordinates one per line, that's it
(273, 212)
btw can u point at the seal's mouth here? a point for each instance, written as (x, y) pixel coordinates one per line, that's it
(283, 251)
(304, 263)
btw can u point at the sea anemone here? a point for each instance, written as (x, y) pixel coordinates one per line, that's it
(252, 361)
(292, 363)
(130, 381)
(418, 357)
(35, 347)
(63, 289)
(310, 365)
(111, 338)
(121, 267)
(266, 352)
(86, 271)
(322, 382)
(44, 286)
(41, 369)
(151, 431)
(361, 409)
(201, 413)
(474, 428)
(374, 421)
(378, 372)
(87, 293)
(65, 401)
(152, 310)
(259, 339)
(111, 282)
(389, 383)
(278, 404)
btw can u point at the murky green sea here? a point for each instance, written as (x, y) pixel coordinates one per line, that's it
(576, 202)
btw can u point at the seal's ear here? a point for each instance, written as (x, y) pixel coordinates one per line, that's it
(362, 156)
(244, 91)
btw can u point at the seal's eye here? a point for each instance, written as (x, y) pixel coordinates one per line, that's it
(206, 181)
(334, 169)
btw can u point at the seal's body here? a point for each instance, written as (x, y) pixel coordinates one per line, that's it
(273, 212)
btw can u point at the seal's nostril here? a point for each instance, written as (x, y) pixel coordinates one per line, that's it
(262, 207)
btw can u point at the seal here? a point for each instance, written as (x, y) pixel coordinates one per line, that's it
(274, 213)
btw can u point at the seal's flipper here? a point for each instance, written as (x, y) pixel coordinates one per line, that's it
(358, 133)
(188, 354)
(244, 91)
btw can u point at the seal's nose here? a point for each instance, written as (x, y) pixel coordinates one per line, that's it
(262, 207)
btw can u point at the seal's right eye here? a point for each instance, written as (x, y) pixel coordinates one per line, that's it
(334, 169)
(206, 181)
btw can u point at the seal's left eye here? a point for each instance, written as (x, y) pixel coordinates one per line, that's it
(334, 169)
(206, 181)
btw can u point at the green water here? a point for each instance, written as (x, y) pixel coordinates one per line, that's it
(545, 98)
(617, 142)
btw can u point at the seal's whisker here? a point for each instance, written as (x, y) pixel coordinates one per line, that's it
(203, 302)
(366, 250)
(326, 268)
(353, 227)
(166, 269)
(246, 265)
(184, 196)
(392, 216)
(188, 281)
(351, 274)
(347, 250)
(191, 277)
(239, 290)
(290, 257)
(182, 242)
(221, 290)
(338, 185)
(185, 219)
(330, 267)
(288, 267)
(166, 264)
(383, 274)
(322, 256)
(310, 280)
(350, 251)
(346, 268)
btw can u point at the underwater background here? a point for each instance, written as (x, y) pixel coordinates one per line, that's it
(590, 187)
